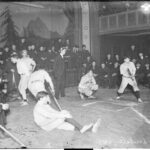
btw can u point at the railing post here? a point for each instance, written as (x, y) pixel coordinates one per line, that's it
(117, 22)
(126, 16)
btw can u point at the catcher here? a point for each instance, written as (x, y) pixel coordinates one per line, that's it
(128, 70)
(87, 86)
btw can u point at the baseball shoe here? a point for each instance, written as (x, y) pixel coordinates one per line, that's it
(92, 97)
(139, 100)
(24, 103)
(118, 97)
(82, 96)
(96, 126)
(86, 128)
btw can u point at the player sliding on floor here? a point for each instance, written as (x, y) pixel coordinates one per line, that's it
(48, 118)
(128, 70)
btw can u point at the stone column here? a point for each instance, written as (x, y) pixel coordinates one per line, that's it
(78, 24)
(94, 31)
(85, 25)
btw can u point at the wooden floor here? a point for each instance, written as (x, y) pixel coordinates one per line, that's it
(124, 123)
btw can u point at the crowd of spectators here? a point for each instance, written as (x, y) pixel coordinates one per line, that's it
(78, 59)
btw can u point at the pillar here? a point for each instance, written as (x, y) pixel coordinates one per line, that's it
(94, 30)
(85, 24)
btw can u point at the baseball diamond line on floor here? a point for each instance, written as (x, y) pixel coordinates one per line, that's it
(115, 103)
(86, 104)
(123, 109)
(141, 115)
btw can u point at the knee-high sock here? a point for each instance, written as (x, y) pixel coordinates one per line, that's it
(119, 94)
(74, 123)
(137, 94)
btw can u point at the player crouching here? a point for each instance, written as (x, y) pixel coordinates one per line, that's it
(128, 70)
(87, 86)
(48, 118)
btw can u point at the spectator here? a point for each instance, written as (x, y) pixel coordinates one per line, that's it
(42, 56)
(141, 59)
(6, 54)
(58, 45)
(11, 75)
(89, 62)
(115, 76)
(85, 53)
(132, 52)
(104, 78)
(95, 71)
(84, 69)
(23, 44)
(139, 74)
(117, 59)
(147, 75)
(109, 61)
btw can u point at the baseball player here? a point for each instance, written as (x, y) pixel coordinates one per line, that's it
(87, 85)
(128, 70)
(37, 80)
(25, 67)
(46, 117)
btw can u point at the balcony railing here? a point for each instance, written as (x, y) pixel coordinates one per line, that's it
(125, 21)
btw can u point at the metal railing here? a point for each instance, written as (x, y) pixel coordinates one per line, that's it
(124, 21)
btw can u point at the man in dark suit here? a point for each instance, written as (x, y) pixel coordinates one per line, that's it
(59, 74)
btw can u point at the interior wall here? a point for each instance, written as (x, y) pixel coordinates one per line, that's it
(45, 23)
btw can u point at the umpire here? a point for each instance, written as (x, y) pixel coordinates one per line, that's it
(59, 73)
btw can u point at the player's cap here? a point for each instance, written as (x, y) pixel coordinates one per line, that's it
(41, 95)
(126, 56)
(62, 48)
(24, 51)
(14, 55)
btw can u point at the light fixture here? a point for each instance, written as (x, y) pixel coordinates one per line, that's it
(145, 8)
(104, 7)
(127, 4)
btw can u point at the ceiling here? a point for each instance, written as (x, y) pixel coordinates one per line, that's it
(44, 4)
(107, 8)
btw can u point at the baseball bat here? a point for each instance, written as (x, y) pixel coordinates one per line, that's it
(13, 137)
(130, 74)
(55, 100)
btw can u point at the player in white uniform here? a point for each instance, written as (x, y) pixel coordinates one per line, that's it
(37, 80)
(87, 85)
(128, 70)
(25, 66)
(48, 118)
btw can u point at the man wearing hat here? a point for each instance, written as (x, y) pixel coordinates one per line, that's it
(59, 73)
(128, 70)
(12, 75)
